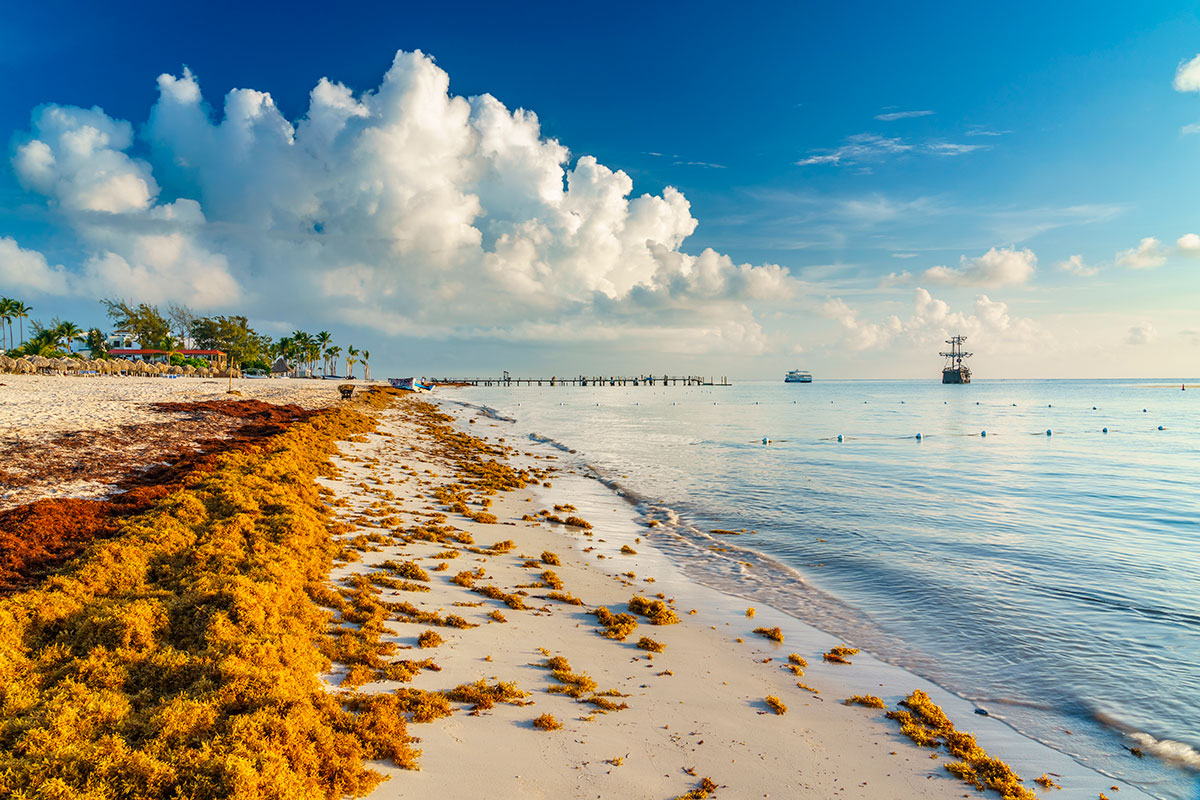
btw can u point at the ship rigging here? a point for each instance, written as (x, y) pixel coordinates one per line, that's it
(955, 371)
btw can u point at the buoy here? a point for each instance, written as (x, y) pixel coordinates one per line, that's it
(983, 433)
(1104, 430)
(1014, 405)
(976, 402)
(1093, 408)
(839, 437)
(1049, 406)
(918, 437)
(766, 440)
(1143, 411)
(1048, 432)
(1161, 428)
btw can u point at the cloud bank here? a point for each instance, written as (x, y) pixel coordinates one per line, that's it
(407, 209)
(932, 320)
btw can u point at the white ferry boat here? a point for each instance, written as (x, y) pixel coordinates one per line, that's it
(798, 376)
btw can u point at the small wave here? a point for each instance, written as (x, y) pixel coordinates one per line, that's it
(537, 437)
(1168, 750)
(484, 411)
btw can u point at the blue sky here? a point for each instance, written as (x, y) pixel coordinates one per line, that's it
(833, 158)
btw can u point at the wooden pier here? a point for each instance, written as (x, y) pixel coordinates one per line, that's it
(583, 380)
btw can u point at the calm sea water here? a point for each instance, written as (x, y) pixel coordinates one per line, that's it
(1053, 579)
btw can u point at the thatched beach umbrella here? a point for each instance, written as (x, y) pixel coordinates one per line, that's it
(7, 364)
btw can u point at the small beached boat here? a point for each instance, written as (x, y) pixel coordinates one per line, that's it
(409, 384)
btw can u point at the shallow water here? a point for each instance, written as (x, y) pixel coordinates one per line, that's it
(1052, 579)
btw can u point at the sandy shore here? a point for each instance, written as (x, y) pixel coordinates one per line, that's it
(42, 405)
(71, 437)
(696, 709)
(658, 722)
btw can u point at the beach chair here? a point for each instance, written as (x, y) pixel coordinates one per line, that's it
(346, 390)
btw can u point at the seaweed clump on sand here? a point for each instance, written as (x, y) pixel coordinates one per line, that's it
(868, 700)
(774, 634)
(646, 643)
(926, 723)
(658, 612)
(840, 654)
(181, 655)
(577, 685)
(775, 704)
(616, 626)
(547, 722)
(706, 788)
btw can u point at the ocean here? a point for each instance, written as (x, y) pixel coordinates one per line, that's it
(1015, 553)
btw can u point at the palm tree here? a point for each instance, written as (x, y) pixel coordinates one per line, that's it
(366, 359)
(44, 342)
(304, 343)
(68, 332)
(21, 312)
(351, 360)
(331, 356)
(8, 308)
(323, 340)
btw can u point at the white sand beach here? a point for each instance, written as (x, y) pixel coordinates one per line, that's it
(695, 710)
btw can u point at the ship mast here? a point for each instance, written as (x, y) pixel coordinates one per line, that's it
(956, 354)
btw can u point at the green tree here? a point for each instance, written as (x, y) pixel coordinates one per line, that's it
(143, 322)
(351, 360)
(331, 356)
(21, 312)
(67, 333)
(96, 344)
(323, 339)
(8, 309)
(231, 335)
(366, 359)
(43, 342)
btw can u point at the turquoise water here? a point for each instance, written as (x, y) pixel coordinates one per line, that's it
(1052, 579)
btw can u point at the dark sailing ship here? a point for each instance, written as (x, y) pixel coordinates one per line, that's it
(955, 371)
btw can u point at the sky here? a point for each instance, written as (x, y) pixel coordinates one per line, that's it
(690, 188)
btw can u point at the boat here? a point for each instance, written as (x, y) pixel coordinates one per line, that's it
(955, 371)
(409, 384)
(798, 376)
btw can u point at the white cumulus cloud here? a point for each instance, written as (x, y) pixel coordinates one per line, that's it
(932, 320)
(1145, 333)
(1002, 266)
(1187, 76)
(1149, 253)
(1189, 245)
(1076, 266)
(405, 208)
(28, 270)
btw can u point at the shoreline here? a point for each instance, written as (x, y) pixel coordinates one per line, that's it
(697, 709)
(1003, 627)
(1004, 737)
(732, 704)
